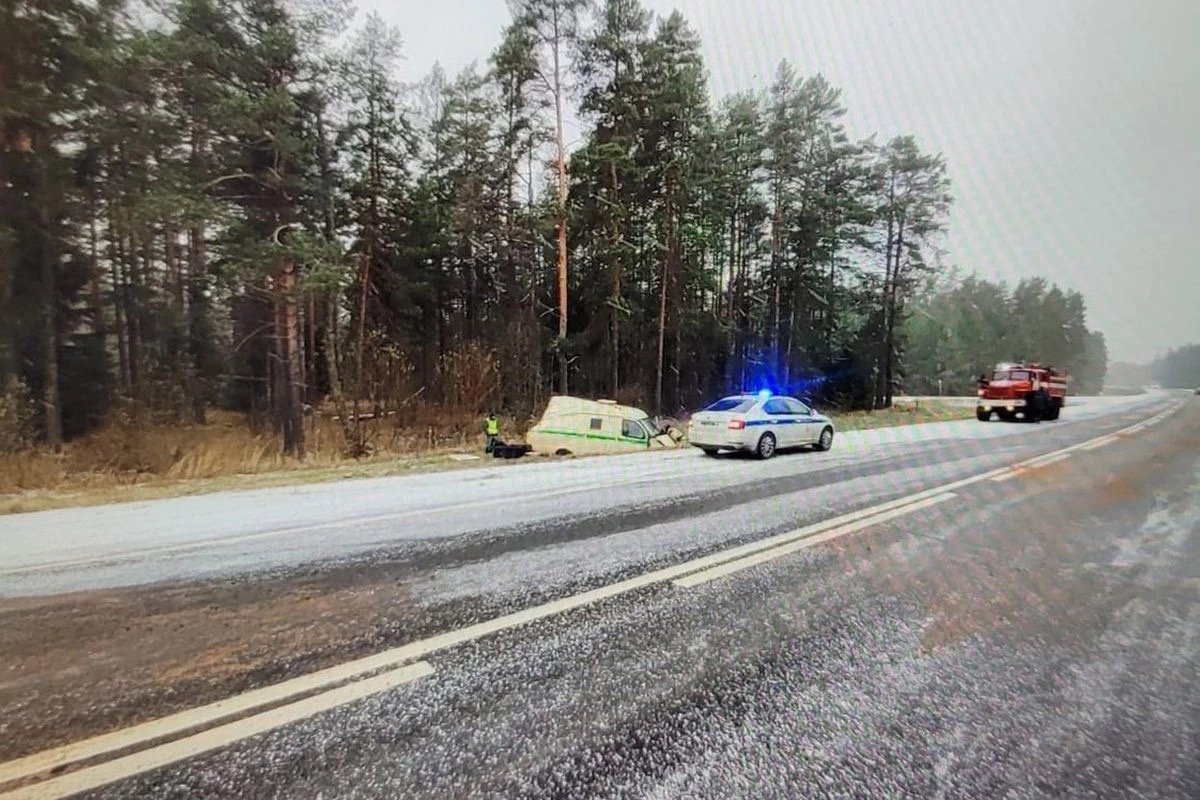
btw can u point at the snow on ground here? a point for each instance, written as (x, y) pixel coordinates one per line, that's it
(524, 572)
(325, 519)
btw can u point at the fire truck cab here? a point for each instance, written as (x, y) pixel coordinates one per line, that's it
(1028, 390)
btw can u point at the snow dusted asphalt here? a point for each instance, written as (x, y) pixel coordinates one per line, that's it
(228, 533)
(1032, 637)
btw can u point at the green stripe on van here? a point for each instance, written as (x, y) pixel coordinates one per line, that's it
(600, 436)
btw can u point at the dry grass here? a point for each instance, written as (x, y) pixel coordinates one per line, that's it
(124, 463)
(904, 412)
(135, 462)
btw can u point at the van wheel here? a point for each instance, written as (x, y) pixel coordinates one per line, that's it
(562, 451)
(766, 446)
(825, 441)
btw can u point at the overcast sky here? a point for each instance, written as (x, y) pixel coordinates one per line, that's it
(1071, 128)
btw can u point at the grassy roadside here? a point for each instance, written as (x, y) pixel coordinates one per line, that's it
(105, 486)
(904, 412)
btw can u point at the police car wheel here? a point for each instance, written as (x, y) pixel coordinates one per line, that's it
(825, 441)
(766, 446)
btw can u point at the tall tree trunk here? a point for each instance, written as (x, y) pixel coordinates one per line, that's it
(615, 288)
(830, 312)
(133, 316)
(664, 290)
(776, 270)
(560, 162)
(99, 324)
(310, 351)
(198, 328)
(180, 349)
(288, 364)
(351, 440)
(881, 360)
(9, 255)
(51, 402)
(676, 312)
(9, 259)
(890, 336)
(119, 318)
(662, 337)
(328, 228)
(362, 338)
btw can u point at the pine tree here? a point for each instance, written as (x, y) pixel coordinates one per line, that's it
(50, 64)
(553, 25)
(611, 67)
(914, 199)
(678, 108)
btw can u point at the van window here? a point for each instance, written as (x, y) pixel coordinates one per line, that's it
(597, 423)
(632, 430)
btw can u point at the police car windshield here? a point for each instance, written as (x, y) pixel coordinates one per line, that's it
(1016, 375)
(732, 404)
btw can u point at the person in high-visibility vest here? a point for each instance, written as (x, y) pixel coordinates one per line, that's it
(491, 427)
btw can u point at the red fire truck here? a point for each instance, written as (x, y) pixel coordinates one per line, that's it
(1030, 390)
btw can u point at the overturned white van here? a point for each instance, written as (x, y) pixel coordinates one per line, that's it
(575, 426)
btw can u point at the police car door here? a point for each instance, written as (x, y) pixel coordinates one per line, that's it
(807, 430)
(781, 422)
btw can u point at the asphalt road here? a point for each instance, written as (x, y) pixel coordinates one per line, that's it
(907, 615)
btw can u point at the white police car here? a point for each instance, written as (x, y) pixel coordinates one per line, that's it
(761, 424)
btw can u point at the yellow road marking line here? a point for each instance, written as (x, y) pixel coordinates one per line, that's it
(180, 749)
(184, 721)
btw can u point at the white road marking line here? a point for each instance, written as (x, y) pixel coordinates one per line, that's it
(180, 749)
(730, 567)
(140, 734)
(1098, 443)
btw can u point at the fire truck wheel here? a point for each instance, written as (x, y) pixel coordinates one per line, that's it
(1037, 407)
(982, 416)
(1055, 410)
